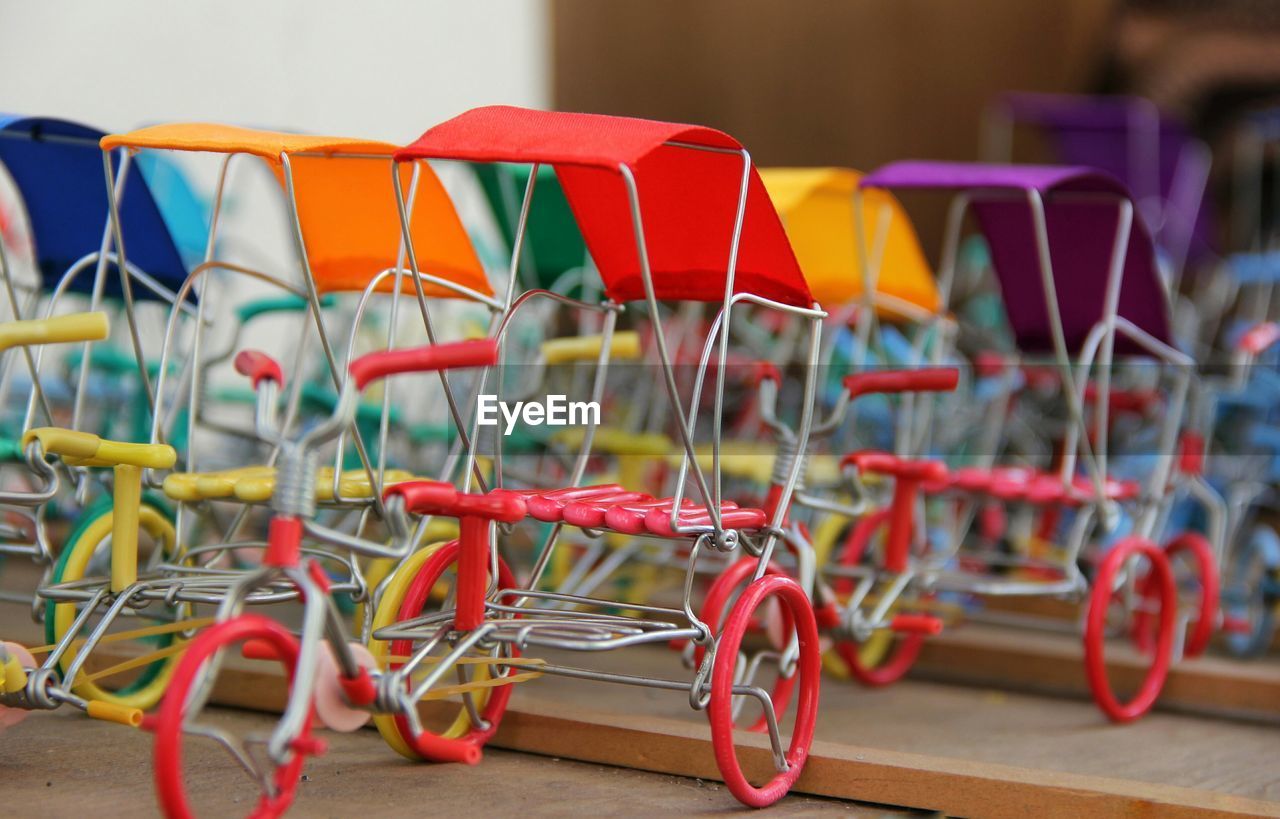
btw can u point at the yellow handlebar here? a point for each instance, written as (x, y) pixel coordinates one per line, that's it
(73, 327)
(624, 345)
(86, 449)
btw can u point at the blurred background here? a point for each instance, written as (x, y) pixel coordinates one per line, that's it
(801, 82)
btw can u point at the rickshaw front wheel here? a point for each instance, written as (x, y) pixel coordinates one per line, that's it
(1206, 579)
(1104, 593)
(724, 676)
(184, 696)
(774, 621)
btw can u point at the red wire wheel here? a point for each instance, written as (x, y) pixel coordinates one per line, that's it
(716, 604)
(1164, 595)
(723, 678)
(906, 648)
(432, 746)
(189, 676)
(1206, 578)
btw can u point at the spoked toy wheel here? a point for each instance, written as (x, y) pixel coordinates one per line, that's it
(726, 672)
(1195, 574)
(773, 624)
(423, 585)
(1251, 593)
(884, 658)
(1115, 592)
(178, 720)
(86, 555)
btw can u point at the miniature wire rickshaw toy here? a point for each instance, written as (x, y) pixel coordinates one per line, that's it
(654, 236)
(180, 572)
(28, 685)
(1245, 422)
(863, 262)
(42, 485)
(57, 169)
(1087, 304)
(346, 233)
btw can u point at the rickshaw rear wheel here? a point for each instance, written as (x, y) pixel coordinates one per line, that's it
(1205, 576)
(189, 677)
(723, 676)
(885, 658)
(1164, 594)
(462, 741)
(88, 542)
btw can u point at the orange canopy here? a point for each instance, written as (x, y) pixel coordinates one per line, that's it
(346, 203)
(817, 210)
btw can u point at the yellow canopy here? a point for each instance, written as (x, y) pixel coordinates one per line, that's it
(347, 210)
(817, 209)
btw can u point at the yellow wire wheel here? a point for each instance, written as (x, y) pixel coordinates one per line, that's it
(871, 652)
(384, 615)
(73, 564)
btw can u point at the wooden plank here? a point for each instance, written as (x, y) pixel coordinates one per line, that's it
(951, 786)
(920, 746)
(921, 781)
(1025, 660)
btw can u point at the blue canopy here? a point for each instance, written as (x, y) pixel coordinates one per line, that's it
(57, 167)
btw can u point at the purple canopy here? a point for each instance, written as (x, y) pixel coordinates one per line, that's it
(1081, 234)
(1096, 131)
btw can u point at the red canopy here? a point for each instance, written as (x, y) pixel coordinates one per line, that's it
(688, 197)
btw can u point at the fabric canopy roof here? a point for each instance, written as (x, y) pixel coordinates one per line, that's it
(1081, 232)
(346, 209)
(688, 197)
(1103, 132)
(232, 139)
(817, 210)
(57, 168)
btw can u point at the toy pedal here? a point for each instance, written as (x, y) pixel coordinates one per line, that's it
(336, 697)
(916, 624)
(15, 660)
(1236, 625)
(111, 712)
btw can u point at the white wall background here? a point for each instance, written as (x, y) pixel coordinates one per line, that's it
(381, 69)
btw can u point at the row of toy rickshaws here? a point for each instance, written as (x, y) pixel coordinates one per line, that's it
(539, 386)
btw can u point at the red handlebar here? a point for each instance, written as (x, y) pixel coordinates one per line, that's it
(372, 366)
(937, 379)
(765, 371)
(887, 464)
(257, 365)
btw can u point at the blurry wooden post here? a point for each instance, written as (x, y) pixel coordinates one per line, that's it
(816, 82)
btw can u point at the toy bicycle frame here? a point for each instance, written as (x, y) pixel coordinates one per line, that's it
(293, 509)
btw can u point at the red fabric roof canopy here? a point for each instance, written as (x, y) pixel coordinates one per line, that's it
(688, 198)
